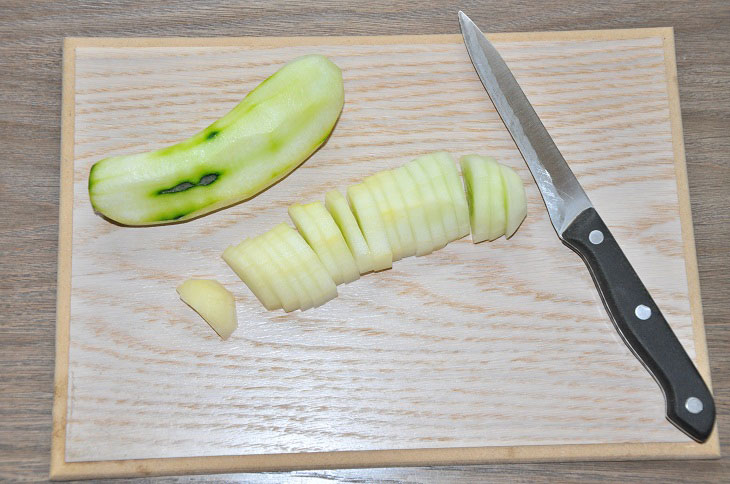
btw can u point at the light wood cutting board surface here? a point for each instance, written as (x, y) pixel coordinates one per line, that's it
(496, 351)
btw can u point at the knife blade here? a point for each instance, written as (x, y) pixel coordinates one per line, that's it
(635, 315)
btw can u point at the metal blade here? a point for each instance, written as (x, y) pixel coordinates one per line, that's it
(563, 195)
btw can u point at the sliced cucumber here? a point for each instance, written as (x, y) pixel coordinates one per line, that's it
(448, 214)
(334, 241)
(387, 215)
(324, 288)
(299, 276)
(213, 302)
(430, 204)
(415, 208)
(515, 199)
(251, 273)
(280, 276)
(371, 224)
(485, 193)
(339, 209)
(402, 224)
(311, 233)
(456, 191)
(276, 127)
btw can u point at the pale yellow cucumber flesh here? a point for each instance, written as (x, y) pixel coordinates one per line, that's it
(387, 215)
(251, 273)
(299, 277)
(213, 302)
(515, 199)
(485, 196)
(325, 288)
(273, 130)
(334, 241)
(497, 210)
(456, 191)
(397, 206)
(371, 224)
(311, 233)
(431, 204)
(278, 274)
(337, 206)
(415, 209)
(448, 214)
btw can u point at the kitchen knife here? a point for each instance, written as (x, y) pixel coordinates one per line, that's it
(689, 403)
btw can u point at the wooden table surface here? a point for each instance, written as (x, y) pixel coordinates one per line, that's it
(31, 36)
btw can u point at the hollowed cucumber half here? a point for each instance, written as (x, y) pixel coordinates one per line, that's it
(275, 128)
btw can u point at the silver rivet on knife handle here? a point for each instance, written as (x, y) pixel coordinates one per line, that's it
(694, 405)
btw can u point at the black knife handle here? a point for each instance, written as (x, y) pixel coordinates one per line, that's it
(642, 326)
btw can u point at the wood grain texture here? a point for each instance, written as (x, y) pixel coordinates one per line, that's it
(483, 352)
(30, 127)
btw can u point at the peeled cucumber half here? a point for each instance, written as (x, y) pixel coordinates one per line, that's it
(274, 129)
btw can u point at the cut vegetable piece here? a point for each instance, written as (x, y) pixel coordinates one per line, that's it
(262, 251)
(456, 191)
(485, 194)
(334, 241)
(251, 273)
(387, 215)
(339, 209)
(448, 213)
(325, 288)
(213, 302)
(311, 233)
(402, 224)
(415, 208)
(274, 129)
(298, 275)
(430, 204)
(515, 199)
(371, 224)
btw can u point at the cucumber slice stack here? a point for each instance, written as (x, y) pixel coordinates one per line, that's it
(412, 210)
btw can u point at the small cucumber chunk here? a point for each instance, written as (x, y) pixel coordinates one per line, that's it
(324, 288)
(371, 224)
(402, 225)
(485, 194)
(337, 206)
(213, 302)
(456, 191)
(387, 215)
(515, 199)
(251, 273)
(415, 208)
(334, 241)
(430, 204)
(311, 233)
(448, 213)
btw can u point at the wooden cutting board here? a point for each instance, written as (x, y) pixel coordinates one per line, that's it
(477, 353)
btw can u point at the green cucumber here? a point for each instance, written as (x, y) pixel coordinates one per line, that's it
(272, 131)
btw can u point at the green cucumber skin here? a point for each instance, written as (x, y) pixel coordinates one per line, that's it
(273, 130)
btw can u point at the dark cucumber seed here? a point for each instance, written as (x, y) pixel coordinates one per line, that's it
(208, 179)
(205, 180)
